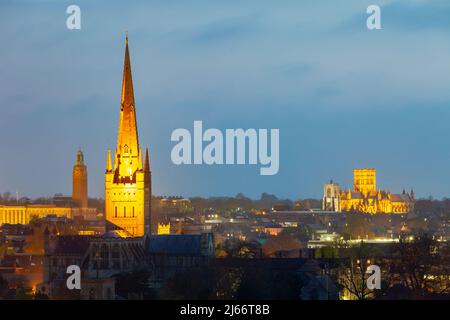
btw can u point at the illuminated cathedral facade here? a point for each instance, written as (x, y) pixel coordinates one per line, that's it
(128, 177)
(366, 198)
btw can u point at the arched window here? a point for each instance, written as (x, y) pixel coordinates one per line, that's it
(95, 256)
(104, 257)
(115, 212)
(124, 212)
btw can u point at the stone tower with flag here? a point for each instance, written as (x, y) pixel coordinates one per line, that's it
(128, 178)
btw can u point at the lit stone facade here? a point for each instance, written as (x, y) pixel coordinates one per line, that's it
(365, 181)
(163, 228)
(23, 214)
(366, 198)
(128, 182)
(331, 197)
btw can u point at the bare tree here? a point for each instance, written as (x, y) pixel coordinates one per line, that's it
(420, 264)
(352, 272)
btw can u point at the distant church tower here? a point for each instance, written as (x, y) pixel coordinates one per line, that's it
(331, 197)
(79, 182)
(128, 182)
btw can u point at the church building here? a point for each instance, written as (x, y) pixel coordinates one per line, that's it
(128, 178)
(366, 198)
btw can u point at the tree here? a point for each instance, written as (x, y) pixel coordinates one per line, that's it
(358, 226)
(352, 271)
(421, 265)
(241, 249)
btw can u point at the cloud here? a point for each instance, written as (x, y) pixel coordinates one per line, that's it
(417, 15)
(224, 30)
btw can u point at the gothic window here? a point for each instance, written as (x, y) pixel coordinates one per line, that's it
(104, 256)
(95, 256)
(115, 212)
(125, 149)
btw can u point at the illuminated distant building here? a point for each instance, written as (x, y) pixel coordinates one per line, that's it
(128, 182)
(80, 185)
(163, 228)
(331, 197)
(23, 214)
(366, 198)
(175, 205)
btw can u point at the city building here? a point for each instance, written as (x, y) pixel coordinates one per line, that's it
(173, 205)
(80, 182)
(61, 206)
(23, 214)
(331, 197)
(163, 228)
(366, 198)
(128, 182)
(102, 258)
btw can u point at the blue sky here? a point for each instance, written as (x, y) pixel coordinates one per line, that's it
(341, 95)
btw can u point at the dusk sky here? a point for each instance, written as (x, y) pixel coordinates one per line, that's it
(342, 96)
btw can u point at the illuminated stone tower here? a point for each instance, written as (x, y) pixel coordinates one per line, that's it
(365, 181)
(128, 182)
(79, 182)
(331, 197)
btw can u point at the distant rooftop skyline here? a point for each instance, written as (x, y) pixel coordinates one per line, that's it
(342, 96)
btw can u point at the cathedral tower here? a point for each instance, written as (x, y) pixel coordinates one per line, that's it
(365, 181)
(79, 182)
(128, 180)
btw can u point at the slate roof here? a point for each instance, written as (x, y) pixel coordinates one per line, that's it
(400, 198)
(175, 244)
(356, 195)
(76, 245)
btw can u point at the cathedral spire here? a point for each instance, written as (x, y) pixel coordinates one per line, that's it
(127, 141)
(127, 186)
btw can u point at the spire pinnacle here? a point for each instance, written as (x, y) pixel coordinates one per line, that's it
(108, 161)
(127, 81)
(147, 161)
